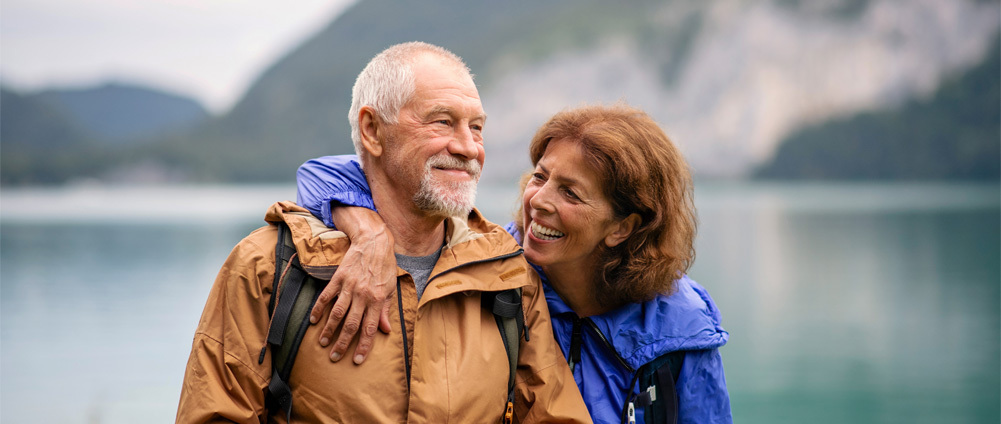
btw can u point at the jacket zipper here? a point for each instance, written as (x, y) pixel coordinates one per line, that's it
(628, 414)
(403, 327)
(608, 345)
(399, 302)
(577, 339)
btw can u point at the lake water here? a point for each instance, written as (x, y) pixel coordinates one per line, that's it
(851, 303)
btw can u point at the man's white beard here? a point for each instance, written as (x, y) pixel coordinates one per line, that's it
(447, 198)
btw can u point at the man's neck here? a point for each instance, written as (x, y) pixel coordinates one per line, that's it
(415, 232)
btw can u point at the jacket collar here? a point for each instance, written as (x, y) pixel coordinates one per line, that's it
(686, 320)
(469, 241)
(641, 332)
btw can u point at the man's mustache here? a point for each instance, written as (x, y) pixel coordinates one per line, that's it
(451, 162)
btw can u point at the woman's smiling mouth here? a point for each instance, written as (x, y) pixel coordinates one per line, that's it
(544, 233)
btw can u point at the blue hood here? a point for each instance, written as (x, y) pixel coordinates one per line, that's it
(641, 332)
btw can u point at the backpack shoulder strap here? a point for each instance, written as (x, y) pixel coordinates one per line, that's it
(657, 380)
(284, 250)
(293, 294)
(508, 311)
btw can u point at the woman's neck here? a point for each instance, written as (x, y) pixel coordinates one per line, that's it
(575, 285)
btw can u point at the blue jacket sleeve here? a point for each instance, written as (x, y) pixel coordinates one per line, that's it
(332, 179)
(702, 394)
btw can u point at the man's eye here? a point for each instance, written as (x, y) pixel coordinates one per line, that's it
(478, 128)
(444, 122)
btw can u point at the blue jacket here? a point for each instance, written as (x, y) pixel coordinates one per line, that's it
(640, 332)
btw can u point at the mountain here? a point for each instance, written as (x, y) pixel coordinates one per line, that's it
(954, 134)
(298, 108)
(118, 113)
(727, 79)
(40, 144)
(58, 135)
(28, 121)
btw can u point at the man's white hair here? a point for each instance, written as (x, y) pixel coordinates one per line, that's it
(387, 82)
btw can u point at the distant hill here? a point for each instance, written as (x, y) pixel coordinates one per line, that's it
(727, 79)
(40, 144)
(954, 134)
(57, 135)
(298, 108)
(29, 121)
(117, 113)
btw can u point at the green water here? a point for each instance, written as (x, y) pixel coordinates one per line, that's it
(845, 303)
(857, 304)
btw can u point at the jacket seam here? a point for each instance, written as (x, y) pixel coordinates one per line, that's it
(271, 258)
(713, 312)
(521, 380)
(231, 355)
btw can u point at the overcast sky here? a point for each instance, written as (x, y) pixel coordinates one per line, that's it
(208, 49)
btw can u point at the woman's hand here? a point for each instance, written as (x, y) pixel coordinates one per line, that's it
(362, 284)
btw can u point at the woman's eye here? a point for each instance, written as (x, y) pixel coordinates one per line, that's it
(538, 177)
(570, 194)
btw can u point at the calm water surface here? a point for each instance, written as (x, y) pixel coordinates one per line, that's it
(845, 303)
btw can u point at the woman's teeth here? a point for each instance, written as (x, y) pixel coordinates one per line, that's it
(545, 233)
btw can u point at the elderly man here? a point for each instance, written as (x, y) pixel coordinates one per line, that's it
(417, 124)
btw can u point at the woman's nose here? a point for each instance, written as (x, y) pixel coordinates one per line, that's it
(541, 199)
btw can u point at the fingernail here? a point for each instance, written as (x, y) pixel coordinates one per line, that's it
(312, 319)
(359, 359)
(324, 341)
(335, 356)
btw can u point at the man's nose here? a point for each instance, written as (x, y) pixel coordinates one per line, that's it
(464, 144)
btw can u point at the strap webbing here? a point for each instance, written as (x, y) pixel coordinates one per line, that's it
(657, 395)
(668, 395)
(507, 304)
(507, 310)
(278, 396)
(284, 250)
(286, 299)
(296, 292)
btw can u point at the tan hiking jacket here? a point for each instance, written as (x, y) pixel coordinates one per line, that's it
(458, 364)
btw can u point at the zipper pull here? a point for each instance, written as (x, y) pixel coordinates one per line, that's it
(631, 413)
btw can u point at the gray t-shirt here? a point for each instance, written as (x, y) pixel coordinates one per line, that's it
(419, 268)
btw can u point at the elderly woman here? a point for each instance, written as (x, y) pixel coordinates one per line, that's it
(607, 220)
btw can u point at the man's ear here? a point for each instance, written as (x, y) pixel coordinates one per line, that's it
(622, 230)
(369, 126)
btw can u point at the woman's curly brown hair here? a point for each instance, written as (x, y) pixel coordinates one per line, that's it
(641, 171)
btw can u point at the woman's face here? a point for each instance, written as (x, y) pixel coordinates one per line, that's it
(567, 216)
